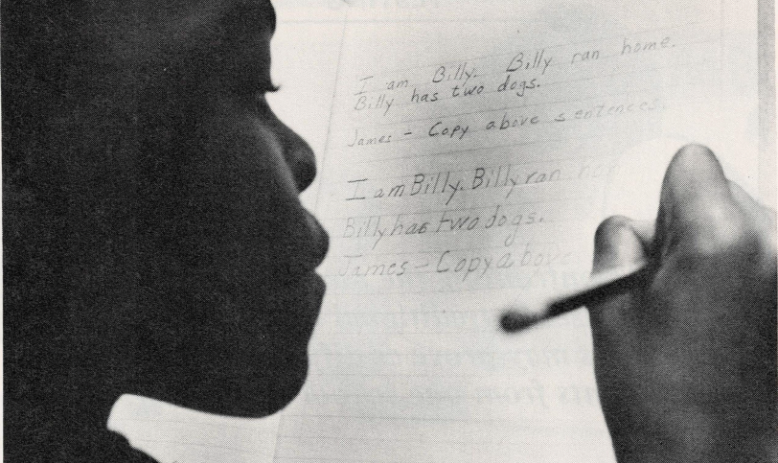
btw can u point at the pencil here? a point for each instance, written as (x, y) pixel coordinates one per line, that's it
(524, 315)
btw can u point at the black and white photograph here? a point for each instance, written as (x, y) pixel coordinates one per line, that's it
(389, 231)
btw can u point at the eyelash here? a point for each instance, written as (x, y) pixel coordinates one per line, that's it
(261, 92)
(268, 88)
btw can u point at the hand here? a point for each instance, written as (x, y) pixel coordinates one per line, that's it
(686, 363)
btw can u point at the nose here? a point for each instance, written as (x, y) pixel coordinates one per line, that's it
(298, 155)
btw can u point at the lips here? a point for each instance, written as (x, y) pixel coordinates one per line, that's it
(309, 285)
(321, 247)
(320, 240)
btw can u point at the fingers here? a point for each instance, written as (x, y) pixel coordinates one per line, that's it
(695, 175)
(759, 214)
(620, 241)
(695, 199)
(743, 198)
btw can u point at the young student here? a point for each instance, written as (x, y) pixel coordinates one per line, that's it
(155, 245)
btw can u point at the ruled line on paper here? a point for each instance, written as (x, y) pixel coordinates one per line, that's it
(248, 450)
(219, 425)
(492, 147)
(421, 441)
(560, 45)
(506, 164)
(464, 209)
(468, 248)
(423, 84)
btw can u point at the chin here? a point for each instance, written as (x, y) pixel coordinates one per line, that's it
(266, 398)
(250, 392)
(286, 390)
(251, 368)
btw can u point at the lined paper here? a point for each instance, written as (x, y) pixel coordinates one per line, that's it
(172, 434)
(470, 156)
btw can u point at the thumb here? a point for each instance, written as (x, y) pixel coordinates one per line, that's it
(620, 241)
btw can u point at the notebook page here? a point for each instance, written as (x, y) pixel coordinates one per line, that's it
(173, 434)
(473, 149)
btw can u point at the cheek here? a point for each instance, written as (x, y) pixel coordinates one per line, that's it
(221, 200)
(245, 201)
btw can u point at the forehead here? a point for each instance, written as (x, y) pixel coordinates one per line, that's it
(138, 28)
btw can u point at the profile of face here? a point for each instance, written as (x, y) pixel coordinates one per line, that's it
(200, 258)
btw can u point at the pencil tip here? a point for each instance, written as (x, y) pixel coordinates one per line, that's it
(512, 322)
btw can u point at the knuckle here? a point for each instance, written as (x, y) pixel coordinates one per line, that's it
(726, 233)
